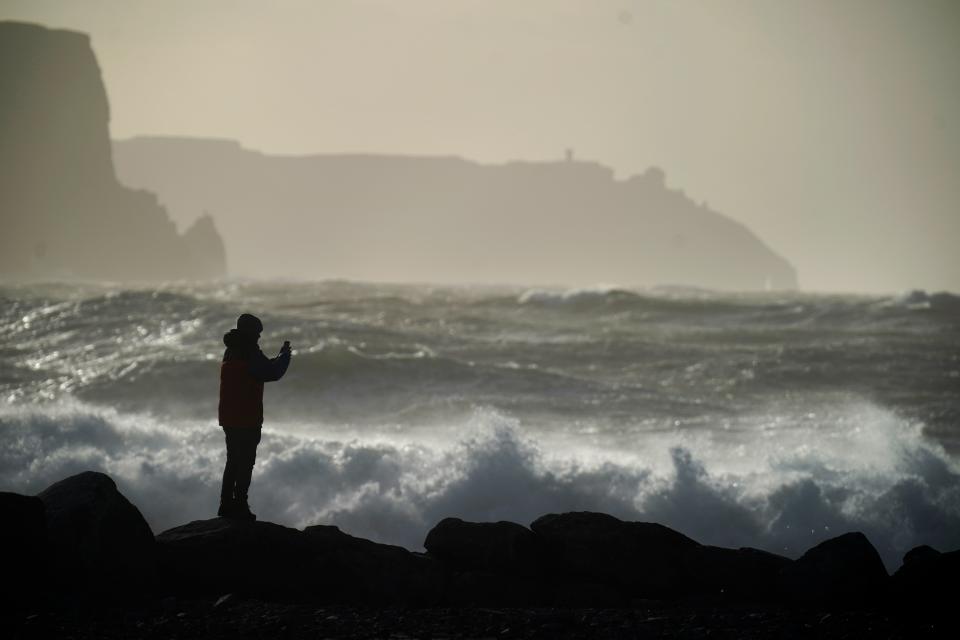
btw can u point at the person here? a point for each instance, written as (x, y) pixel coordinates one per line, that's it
(242, 373)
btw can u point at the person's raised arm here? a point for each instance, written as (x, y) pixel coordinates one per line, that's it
(271, 369)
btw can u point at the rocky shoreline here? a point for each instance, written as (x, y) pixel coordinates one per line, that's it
(82, 562)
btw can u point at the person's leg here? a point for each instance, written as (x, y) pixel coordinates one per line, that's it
(251, 438)
(230, 471)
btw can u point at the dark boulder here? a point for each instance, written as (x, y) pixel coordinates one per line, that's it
(644, 559)
(269, 560)
(232, 556)
(497, 547)
(743, 573)
(358, 570)
(926, 580)
(23, 545)
(839, 571)
(918, 556)
(504, 564)
(99, 539)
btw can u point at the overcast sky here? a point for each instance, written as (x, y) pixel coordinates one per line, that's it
(829, 127)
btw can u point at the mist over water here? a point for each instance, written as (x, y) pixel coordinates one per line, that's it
(769, 420)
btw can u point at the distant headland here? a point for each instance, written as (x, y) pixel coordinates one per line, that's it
(364, 217)
(447, 219)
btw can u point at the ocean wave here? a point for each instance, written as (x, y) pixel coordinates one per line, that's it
(920, 300)
(682, 307)
(364, 352)
(339, 380)
(880, 477)
(600, 294)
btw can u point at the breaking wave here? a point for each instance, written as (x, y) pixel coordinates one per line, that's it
(879, 476)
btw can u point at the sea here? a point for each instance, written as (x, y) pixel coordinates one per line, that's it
(771, 420)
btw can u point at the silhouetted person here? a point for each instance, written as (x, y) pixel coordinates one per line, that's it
(242, 374)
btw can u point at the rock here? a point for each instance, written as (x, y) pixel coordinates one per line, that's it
(498, 547)
(919, 555)
(644, 559)
(268, 560)
(926, 580)
(99, 539)
(504, 564)
(355, 569)
(743, 573)
(231, 556)
(23, 543)
(839, 571)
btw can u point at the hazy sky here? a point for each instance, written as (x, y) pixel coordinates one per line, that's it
(829, 127)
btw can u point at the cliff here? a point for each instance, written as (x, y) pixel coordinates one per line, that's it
(445, 219)
(64, 214)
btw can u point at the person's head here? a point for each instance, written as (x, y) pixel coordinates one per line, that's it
(250, 325)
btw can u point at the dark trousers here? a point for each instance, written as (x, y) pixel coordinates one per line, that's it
(241, 455)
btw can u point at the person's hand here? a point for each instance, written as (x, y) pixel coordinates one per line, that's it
(285, 348)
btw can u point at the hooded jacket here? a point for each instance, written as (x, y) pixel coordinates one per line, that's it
(242, 373)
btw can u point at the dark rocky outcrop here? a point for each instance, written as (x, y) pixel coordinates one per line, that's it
(357, 570)
(222, 556)
(645, 559)
(445, 219)
(927, 579)
(593, 558)
(261, 558)
(842, 570)
(501, 547)
(735, 573)
(491, 563)
(23, 547)
(98, 539)
(64, 215)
